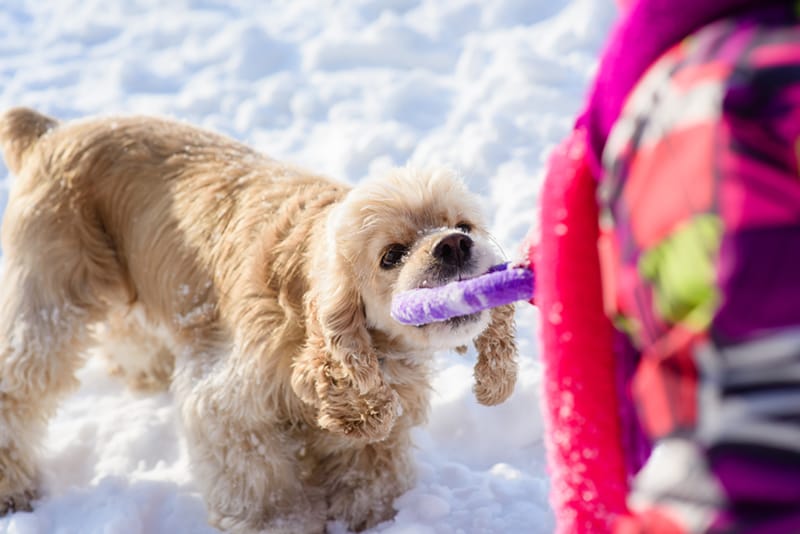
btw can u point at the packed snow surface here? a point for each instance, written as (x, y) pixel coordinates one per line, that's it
(347, 89)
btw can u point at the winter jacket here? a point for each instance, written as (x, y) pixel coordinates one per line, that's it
(691, 150)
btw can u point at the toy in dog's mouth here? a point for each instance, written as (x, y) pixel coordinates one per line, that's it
(462, 301)
(431, 288)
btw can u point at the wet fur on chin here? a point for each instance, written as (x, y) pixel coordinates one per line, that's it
(252, 289)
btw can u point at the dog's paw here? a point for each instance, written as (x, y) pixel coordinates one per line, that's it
(362, 507)
(18, 481)
(363, 416)
(279, 525)
(370, 418)
(17, 502)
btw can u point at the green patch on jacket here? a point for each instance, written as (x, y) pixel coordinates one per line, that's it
(682, 270)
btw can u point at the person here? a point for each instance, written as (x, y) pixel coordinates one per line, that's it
(672, 212)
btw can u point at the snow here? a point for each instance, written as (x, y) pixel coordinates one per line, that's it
(347, 89)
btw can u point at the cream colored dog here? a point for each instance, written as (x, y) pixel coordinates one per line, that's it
(259, 292)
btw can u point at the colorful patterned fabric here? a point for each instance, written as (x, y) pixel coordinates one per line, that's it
(646, 30)
(700, 244)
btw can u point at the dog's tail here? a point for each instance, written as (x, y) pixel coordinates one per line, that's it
(20, 128)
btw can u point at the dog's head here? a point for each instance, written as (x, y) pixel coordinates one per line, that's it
(407, 230)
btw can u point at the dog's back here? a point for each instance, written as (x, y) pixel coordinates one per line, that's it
(146, 194)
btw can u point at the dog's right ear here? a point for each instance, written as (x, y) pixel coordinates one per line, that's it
(338, 370)
(326, 380)
(343, 323)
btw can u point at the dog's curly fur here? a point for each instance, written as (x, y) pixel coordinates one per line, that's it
(259, 292)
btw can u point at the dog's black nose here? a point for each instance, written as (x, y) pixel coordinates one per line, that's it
(453, 250)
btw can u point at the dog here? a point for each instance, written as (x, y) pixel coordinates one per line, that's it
(259, 293)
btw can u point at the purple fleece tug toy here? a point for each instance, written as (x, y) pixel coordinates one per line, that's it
(502, 284)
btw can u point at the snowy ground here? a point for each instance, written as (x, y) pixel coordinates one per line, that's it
(347, 89)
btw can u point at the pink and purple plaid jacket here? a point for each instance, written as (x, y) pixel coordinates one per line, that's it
(695, 143)
(700, 226)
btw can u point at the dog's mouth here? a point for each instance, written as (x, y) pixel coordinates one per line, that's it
(439, 278)
(455, 322)
(461, 320)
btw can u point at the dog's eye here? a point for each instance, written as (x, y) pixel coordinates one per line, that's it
(464, 227)
(393, 255)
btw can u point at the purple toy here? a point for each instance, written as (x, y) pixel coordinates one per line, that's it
(502, 284)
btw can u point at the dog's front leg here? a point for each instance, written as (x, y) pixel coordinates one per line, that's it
(244, 465)
(362, 482)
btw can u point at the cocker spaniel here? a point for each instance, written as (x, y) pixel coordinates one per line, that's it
(258, 292)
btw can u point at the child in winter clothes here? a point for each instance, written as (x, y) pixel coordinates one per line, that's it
(684, 169)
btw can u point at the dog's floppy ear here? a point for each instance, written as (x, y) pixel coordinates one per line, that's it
(496, 368)
(338, 370)
(343, 327)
